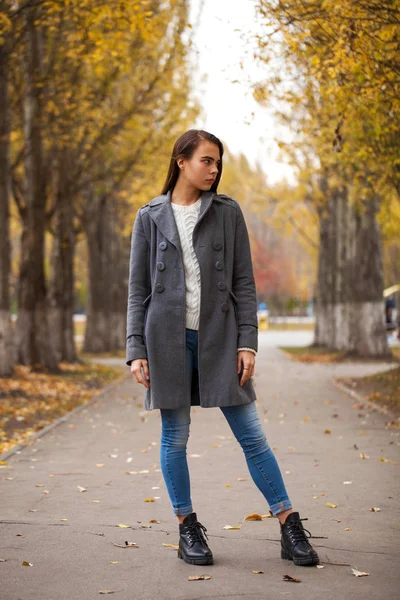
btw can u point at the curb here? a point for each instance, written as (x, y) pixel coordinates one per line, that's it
(360, 398)
(62, 419)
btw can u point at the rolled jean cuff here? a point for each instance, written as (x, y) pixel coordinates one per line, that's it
(183, 512)
(280, 507)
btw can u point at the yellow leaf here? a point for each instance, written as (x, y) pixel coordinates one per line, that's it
(171, 546)
(113, 562)
(27, 564)
(364, 456)
(347, 529)
(228, 485)
(253, 517)
(331, 505)
(154, 521)
(63, 519)
(124, 526)
(241, 478)
(100, 465)
(258, 572)
(149, 500)
(229, 527)
(327, 431)
(198, 577)
(362, 432)
(96, 501)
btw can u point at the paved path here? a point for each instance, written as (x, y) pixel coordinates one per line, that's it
(297, 403)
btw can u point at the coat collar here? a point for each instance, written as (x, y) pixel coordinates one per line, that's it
(162, 215)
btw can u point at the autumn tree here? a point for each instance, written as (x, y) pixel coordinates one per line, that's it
(338, 86)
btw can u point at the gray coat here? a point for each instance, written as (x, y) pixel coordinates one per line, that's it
(156, 303)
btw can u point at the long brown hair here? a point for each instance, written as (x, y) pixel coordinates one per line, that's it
(185, 147)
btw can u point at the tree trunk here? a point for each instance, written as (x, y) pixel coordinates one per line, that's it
(61, 289)
(349, 307)
(33, 334)
(108, 279)
(6, 338)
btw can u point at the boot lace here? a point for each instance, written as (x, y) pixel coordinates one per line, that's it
(297, 532)
(196, 532)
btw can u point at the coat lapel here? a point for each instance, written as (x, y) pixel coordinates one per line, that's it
(162, 215)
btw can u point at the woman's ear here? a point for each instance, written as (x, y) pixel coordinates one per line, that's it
(181, 163)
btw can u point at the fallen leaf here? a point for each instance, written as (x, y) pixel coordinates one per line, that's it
(39, 484)
(253, 517)
(362, 432)
(113, 562)
(124, 526)
(231, 527)
(216, 446)
(3, 559)
(27, 564)
(241, 478)
(127, 545)
(228, 485)
(347, 529)
(320, 566)
(198, 577)
(331, 505)
(100, 465)
(171, 546)
(131, 472)
(363, 456)
(63, 519)
(149, 500)
(327, 431)
(106, 592)
(347, 482)
(96, 501)
(269, 516)
(290, 578)
(359, 573)
(81, 489)
(258, 572)
(154, 521)
(375, 509)
(291, 448)
(195, 455)
(47, 492)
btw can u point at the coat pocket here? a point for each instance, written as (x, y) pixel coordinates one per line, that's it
(147, 300)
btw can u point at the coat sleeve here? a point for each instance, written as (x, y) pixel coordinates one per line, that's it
(139, 290)
(243, 286)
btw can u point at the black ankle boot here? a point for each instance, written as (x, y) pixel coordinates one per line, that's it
(294, 543)
(193, 547)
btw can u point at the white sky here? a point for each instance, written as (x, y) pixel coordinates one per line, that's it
(221, 42)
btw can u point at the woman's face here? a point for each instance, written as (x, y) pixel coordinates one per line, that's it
(202, 169)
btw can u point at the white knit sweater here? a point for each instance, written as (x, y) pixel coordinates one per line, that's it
(186, 218)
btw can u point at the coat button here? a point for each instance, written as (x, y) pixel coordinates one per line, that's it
(217, 246)
(218, 265)
(224, 307)
(160, 266)
(221, 285)
(159, 288)
(162, 245)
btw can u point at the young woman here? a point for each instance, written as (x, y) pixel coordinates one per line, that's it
(192, 333)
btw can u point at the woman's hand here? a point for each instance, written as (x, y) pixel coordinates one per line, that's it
(140, 370)
(246, 361)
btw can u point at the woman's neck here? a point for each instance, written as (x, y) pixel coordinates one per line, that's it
(184, 194)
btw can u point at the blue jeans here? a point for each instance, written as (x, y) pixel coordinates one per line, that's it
(246, 427)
